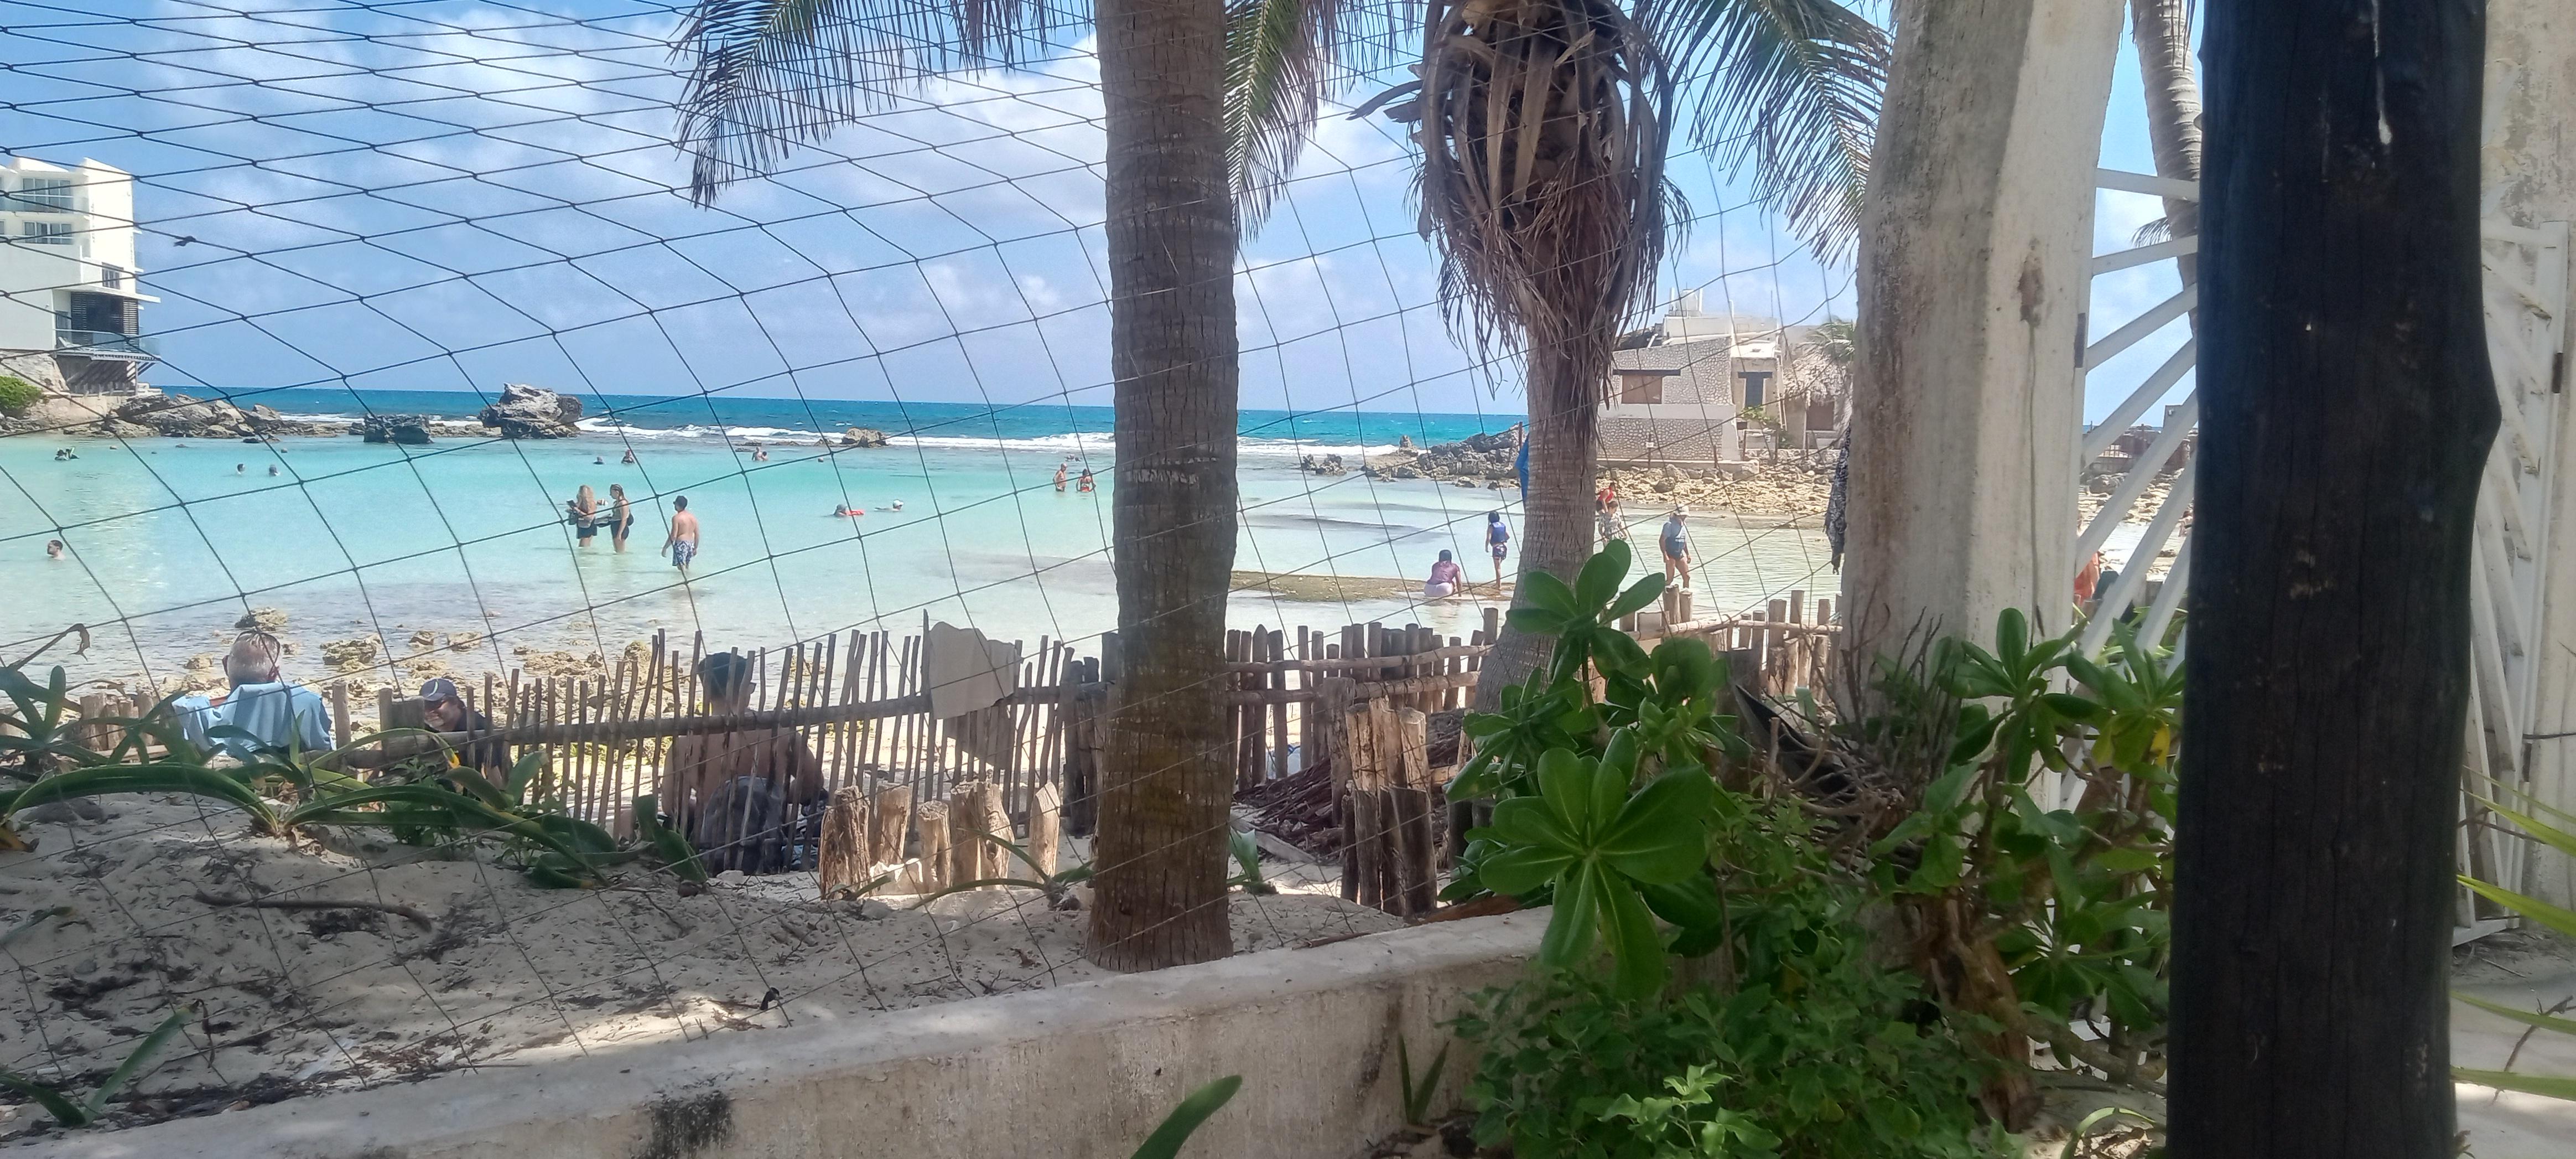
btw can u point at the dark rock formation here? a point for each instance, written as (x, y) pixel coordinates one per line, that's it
(408, 429)
(533, 412)
(1478, 457)
(863, 437)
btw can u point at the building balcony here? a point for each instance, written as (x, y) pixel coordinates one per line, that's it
(103, 344)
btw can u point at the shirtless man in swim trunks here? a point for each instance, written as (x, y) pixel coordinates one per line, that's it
(683, 543)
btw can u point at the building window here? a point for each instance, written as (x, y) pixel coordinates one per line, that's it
(111, 276)
(50, 194)
(48, 233)
(1754, 383)
(1641, 389)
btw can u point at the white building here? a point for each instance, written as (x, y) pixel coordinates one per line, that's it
(1680, 391)
(70, 294)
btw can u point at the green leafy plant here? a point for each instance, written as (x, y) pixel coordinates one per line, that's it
(1599, 851)
(18, 396)
(431, 801)
(68, 1113)
(1187, 1118)
(1053, 884)
(2035, 913)
(1787, 1039)
(2558, 833)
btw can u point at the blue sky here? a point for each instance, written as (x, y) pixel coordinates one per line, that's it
(454, 195)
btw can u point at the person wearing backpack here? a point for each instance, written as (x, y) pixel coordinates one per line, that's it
(1498, 540)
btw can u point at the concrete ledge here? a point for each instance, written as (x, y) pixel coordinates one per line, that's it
(1079, 1070)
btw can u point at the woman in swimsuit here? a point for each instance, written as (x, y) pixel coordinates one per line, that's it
(625, 516)
(584, 510)
(1086, 483)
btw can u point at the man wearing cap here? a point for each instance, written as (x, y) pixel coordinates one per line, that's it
(443, 709)
(268, 711)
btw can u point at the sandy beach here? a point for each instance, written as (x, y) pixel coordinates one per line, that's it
(288, 1002)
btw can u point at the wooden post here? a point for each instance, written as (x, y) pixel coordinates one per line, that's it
(967, 830)
(889, 811)
(1044, 804)
(1365, 839)
(842, 863)
(1332, 717)
(340, 714)
(1277, 682)
(1411, 797)
(930, 826)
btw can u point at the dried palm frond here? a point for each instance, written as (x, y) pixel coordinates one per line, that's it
(1543, 128)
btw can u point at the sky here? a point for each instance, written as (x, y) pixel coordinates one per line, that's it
(448, 195)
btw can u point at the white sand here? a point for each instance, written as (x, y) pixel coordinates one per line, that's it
(290, 1002)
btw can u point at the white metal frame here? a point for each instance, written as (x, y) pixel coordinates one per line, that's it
(2526, 308)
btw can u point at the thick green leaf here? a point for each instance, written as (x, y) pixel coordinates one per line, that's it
(1636, 946)
(1546, 592)
(1165, 1142)
(2550, 835)
(1533, 822)
(2012, 635)
(2071, 706)
(1599, 579)
(2505, 1080)
(1565, 783)
(1521, 870)
(1638, 595)
(1691, 903)
(1614, 650)
(1570, 923)
(1660, 835)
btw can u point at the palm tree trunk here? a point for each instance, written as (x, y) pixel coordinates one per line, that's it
(1159, 891)
(2348, 414)
(1556, 529)
(2162, 30)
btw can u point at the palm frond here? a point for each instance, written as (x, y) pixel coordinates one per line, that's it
(1275, 52)
(1791, 87)
(769, 75)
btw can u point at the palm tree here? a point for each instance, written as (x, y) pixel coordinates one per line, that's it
(1205, 101)
(2162, 32)
(1543, 126)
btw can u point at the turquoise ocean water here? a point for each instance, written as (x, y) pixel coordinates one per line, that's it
(172, 540)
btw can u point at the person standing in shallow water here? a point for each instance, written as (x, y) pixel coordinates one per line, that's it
(584, 511)
(683, 542)
(622, 514)
(1087, 484)
(1059, 478)
(1498, 543)
(53, 549)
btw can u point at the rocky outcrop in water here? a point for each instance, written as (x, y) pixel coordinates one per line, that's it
(1323, 465)
(533, 412)
(410, 430)
(863, 437)
(1482, 458)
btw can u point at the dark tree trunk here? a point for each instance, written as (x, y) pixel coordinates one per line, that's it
(1556, 522)
(1159, 897)
(2348, 413)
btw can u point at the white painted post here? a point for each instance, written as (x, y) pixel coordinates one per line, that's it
(1975, 252)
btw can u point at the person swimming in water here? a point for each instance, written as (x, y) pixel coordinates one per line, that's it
(629, 460)
(1086, 484)
(1059, 478)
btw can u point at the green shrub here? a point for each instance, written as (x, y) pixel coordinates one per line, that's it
(17, 395)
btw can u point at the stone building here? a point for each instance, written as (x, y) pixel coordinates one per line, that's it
(1700, 388)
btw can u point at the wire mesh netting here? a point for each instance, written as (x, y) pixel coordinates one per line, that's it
(384, 376)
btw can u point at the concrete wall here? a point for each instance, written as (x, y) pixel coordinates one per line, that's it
(2527, 174)
(1075, 1071)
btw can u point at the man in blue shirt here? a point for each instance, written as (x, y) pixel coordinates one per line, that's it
(261, 703)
